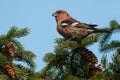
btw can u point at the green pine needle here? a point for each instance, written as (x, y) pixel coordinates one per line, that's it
(14, 32)
(111, 46)
(90, 40)
(114, 24)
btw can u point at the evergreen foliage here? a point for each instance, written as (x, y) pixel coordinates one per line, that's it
(73, 61)
(11, 52)
(70, 60)
(67, 61)
(111, 68)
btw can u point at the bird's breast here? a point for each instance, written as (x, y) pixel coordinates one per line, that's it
(64, 32)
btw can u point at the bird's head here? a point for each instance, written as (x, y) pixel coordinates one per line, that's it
(61, 15)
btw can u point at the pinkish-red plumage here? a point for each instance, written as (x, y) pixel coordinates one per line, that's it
(72, 29)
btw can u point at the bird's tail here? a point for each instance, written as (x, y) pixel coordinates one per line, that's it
(102, 30)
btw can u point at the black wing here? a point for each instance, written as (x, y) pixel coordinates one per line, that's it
(74, 23)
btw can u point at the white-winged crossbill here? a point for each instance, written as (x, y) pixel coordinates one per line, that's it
(72, 29)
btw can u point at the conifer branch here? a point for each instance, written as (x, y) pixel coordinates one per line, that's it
(112, 45)
(25, 56)
(90, 40)
(14, 32)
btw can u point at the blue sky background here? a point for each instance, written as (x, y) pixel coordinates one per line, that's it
(36, 15)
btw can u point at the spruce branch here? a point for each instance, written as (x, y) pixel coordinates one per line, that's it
(14, 32)
(25, 56)
(49, 57)
(112, 45)
(104, 38)
(3, 59)
(114, 25)
(104, 62)
(17, 44)
(116, 59)
(90, 39)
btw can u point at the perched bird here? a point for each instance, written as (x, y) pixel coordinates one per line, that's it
(72, 29)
